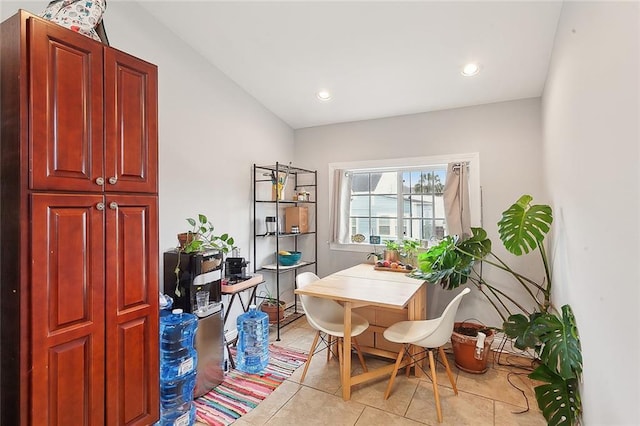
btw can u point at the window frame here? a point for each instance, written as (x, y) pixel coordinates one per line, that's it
(473, 159)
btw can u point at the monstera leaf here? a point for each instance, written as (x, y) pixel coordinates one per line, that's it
(559, 399)
(450, 262)
(523, 226)
(521, 328)
(561, 342)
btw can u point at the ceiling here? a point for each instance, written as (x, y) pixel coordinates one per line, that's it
(378, 59)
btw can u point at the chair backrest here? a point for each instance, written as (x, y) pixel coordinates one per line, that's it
(322, 314)
(443, 331)
(306, 278)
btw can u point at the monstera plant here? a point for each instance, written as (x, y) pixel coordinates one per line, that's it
(552, 333)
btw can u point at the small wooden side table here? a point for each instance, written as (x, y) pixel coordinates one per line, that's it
(234, 291)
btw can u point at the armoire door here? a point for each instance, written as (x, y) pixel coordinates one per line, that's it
(131, 123)
(132, 372)
(66, 109)
(67, 310)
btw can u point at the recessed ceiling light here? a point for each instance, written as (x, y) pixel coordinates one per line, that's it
(323, 95)
(470, 69)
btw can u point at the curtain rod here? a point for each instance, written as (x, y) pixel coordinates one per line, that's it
(457, 166)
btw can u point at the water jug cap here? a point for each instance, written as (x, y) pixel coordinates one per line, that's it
(252, 307)
(177, 311)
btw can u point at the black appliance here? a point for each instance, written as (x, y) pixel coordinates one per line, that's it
(236, 269)
(201, 271)
(197, 273)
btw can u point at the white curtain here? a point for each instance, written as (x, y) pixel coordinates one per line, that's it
(341, 202)
(456, 200)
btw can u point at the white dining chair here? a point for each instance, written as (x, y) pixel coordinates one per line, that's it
(327, 316)
(428, 334)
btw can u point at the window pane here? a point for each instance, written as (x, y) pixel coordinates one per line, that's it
(387, 228)
(384, 205)
(361, 226)
(413, 228)
(360, 183)
(359, 205)
(384, 183)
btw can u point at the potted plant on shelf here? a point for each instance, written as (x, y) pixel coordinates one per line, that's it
(551, 333)
(271, 307)
(201, 237)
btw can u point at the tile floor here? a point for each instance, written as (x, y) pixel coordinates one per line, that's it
(486, 399)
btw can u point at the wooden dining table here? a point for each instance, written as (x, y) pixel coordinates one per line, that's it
(362, 285)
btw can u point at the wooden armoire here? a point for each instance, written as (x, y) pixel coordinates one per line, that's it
(78, 230)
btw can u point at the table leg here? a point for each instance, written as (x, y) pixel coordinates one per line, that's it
(346, 354)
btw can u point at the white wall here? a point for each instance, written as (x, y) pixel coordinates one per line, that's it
(506, 135)
(210, 130)
(591, 139)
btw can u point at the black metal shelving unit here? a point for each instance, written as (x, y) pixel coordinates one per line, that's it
(303, 180)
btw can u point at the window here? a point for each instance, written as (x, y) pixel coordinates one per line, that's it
(396, 199)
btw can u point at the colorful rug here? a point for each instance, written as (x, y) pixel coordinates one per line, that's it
(241, 392)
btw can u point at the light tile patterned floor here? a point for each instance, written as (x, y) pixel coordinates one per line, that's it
(485, 399)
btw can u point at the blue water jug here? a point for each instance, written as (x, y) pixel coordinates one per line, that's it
(176, 393)
(253, 341)
(184, 415)
(178, 356)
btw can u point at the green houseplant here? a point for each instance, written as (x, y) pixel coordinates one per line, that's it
(552, 333)
(391, 251)
(201, 237)
(271, 307)
(409, 251)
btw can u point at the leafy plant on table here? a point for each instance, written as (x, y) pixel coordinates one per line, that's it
(409, 249)
(392, 245)
(552, 334)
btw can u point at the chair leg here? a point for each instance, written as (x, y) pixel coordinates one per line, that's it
(311, 351)
(329, 341)
(395, 371)
(446, 366)
(434, 380)
(355, 343)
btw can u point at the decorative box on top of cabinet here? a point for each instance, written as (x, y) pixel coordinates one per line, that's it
(79, 234)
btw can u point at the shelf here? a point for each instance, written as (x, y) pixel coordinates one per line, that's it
(283, 167)
(285, 202)
(274, 267)
(301, 180)
(288, 234)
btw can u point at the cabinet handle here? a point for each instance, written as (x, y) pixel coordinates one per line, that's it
(100, 206)
(113, 180)
(100, 181)
(113, 205)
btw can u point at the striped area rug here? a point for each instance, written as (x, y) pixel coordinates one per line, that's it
(240, 392)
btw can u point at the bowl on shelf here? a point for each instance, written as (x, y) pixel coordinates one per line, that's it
(289, 258)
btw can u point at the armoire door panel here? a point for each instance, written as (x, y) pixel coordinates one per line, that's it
(132, 308)
(131, 117)
(67, 305)
(70, 383)
(66, 116)
(134, 352)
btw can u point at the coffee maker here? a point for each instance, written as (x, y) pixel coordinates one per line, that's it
(236, 269)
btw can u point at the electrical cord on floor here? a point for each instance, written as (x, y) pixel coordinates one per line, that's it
(498, 354)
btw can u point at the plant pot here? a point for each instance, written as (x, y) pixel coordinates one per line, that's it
(464, 347)
(185, 238)
(273, 311)
(392, 255)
